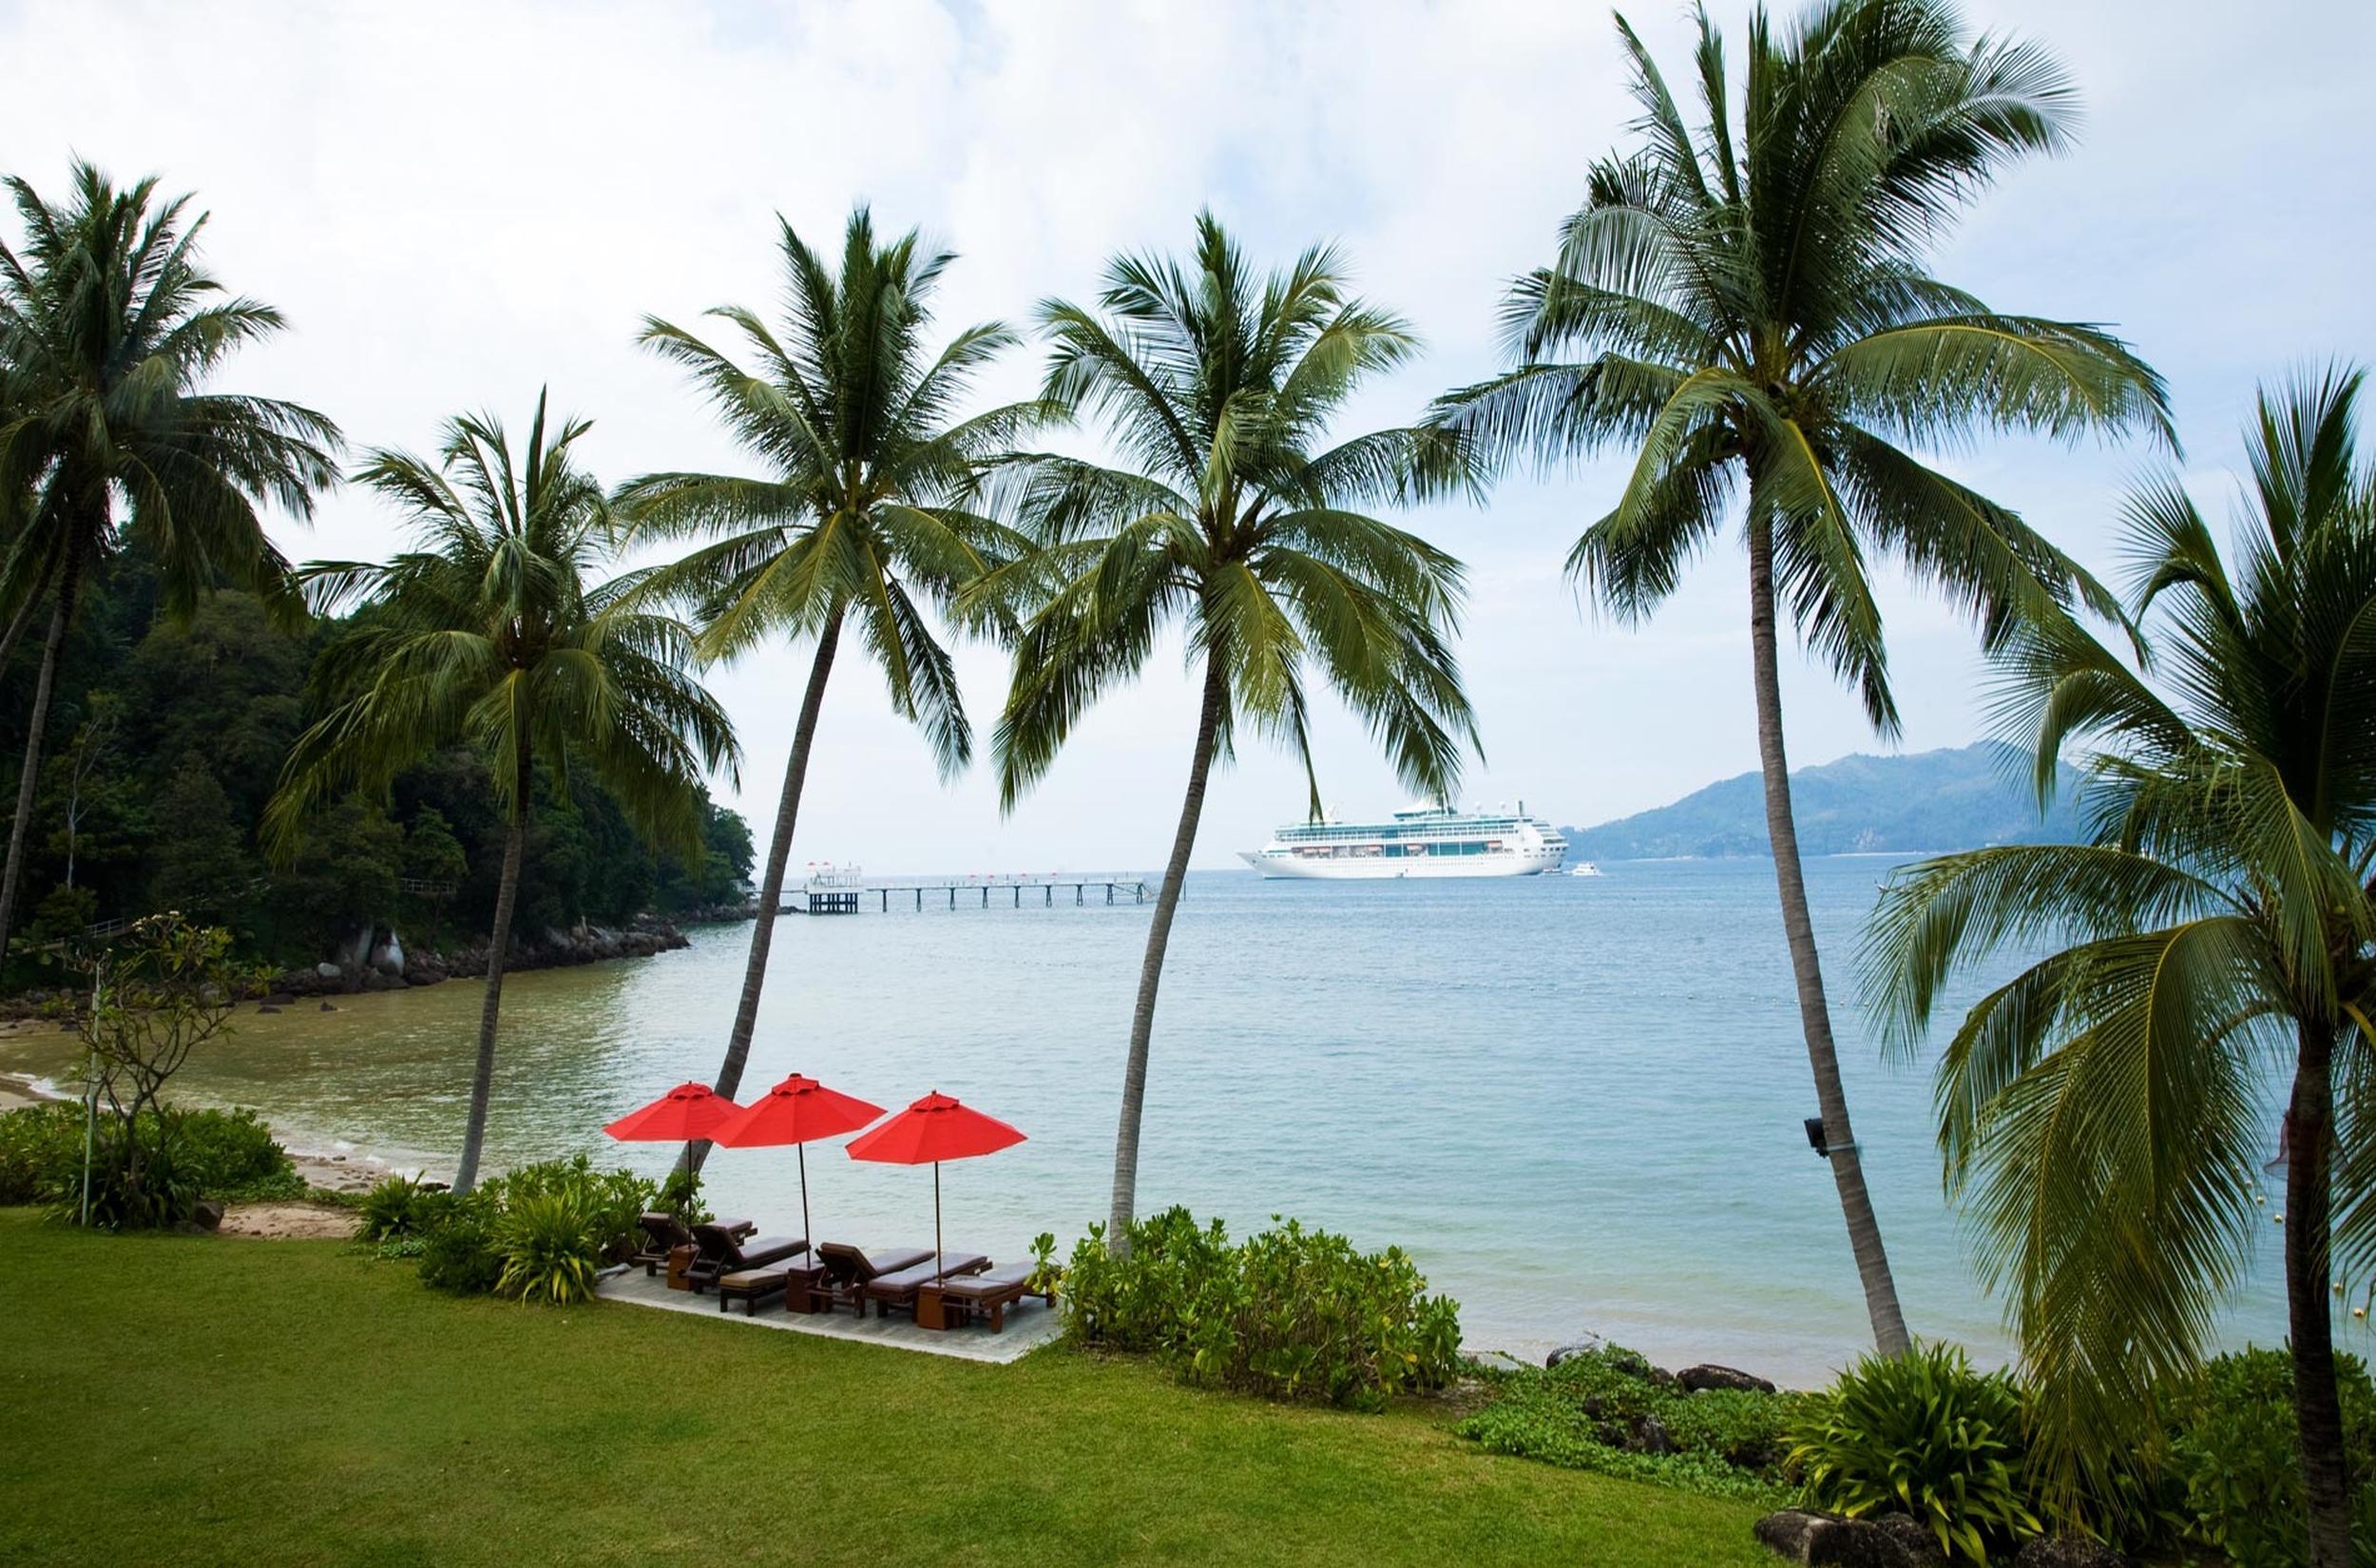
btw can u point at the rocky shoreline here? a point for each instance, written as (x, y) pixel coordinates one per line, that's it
(380, 961)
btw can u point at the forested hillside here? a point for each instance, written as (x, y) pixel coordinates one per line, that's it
(168, 742)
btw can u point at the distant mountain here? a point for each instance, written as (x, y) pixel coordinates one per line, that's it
(1958, 799)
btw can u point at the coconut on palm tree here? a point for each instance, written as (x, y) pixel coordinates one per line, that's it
(1236, 525)
(1743, 309)
(862, 512)
(2104, 1113)
(491, 633)
(109, 332)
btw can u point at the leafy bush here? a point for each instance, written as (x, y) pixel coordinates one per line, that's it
(233, 1156)
(228, 1154)
(1290, 1313)
(458, 1252)
(36, 1141)
(613, 1200)
(401, 1207)
(551, 1248)
(2233, 1456)
(1607, 1410)
(1923, 1433)
(541, 1232)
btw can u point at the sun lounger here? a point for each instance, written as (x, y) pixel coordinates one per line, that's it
(988, 1294)
(722, 1252)
(848, 1269)
(664, 1232)
(898, 1288)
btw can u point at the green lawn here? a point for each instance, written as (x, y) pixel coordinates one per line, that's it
(175, 1400)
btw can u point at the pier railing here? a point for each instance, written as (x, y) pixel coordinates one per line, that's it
(842, 893)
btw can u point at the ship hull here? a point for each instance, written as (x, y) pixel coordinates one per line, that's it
(1402, 867)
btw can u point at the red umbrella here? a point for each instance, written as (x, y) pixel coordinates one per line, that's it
(797, 1111)
(933, 1129)
(687, 1112)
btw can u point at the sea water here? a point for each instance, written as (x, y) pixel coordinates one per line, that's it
(1579, 1102)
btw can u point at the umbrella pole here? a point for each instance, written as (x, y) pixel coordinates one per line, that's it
(936, 1219)
(806, 1234)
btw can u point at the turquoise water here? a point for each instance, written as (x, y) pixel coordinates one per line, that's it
(1576, 1101)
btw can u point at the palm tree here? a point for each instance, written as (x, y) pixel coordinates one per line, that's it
(489, 634)
(1236, 524)
(864, 512)
(1749, 314)
(2105, 1108)
(109, 328)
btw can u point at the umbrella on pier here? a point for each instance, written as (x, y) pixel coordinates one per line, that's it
(683, 1115)
(797, 1111)
(934, 1128)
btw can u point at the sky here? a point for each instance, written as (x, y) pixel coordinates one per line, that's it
(455, 204)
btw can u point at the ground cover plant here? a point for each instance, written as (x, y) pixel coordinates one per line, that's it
(1607, 1409)
(483, 1433)
(1289, 1313)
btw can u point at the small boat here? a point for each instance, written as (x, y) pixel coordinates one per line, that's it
(1583, 868)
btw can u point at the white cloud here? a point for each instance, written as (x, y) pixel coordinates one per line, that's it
(457, 203)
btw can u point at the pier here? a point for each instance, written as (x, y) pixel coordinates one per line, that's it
(848, 890)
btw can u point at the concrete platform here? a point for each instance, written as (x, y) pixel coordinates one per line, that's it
(1029, 1324)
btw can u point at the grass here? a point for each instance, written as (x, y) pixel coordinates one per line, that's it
(180, 1400)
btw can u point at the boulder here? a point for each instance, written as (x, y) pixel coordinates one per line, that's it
(206, 1214)
(2067, 1552)
(328, 1009)
(1567, 1351)
(1710, 1376)
(327, 971)
(1826, 1541)
(1921, 1545)
(1651, 1436)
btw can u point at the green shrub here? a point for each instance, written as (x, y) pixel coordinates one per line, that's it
(233, 1156)
(401, 1207)
(2234, 1458)
(458, 1252)
(1921, 1433)
(36, 1141)
(1290, 1313)
(613, 1200)
(551, 1247)
(1605, 1411)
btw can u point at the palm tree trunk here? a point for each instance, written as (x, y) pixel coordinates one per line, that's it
(1847, 1172)
(24, 616)
(1151, 968)
(61, 613)
(2317, 1406)
(499, 943)
(772, 881)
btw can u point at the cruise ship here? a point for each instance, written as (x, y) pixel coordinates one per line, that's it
(1424, 841)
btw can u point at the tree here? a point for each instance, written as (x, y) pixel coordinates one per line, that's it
(107, 330)
(1236, 524)
(864, 509)
(169, 989)
(1748, 312)
(435, 859)
(489, 633)
(202, 861)
(2105, 1108)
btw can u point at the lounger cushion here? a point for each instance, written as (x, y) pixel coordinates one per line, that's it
(750, 1255)
(752, 1279)
(996, 1282)
(901, 1284)
(856, 1265)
